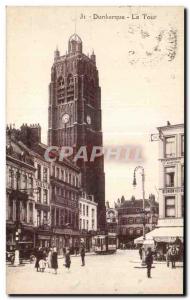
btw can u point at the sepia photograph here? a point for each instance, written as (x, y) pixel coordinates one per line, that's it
(95, 150)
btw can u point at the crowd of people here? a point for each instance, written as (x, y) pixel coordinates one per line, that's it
(48, 258)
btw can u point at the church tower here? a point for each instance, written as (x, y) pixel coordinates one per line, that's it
(75, 115)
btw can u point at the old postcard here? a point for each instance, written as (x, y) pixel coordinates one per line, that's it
(95, 150)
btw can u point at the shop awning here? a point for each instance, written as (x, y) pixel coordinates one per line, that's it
(162, 234)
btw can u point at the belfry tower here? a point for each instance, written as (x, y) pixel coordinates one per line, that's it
(75, 114)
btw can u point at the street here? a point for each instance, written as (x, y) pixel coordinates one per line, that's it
(103, 274)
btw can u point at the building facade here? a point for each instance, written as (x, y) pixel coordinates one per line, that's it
(75, 115)
(87, 219)
(20, 197)
(131, 218)
(171, 183)
(65, 185)
(42, 195)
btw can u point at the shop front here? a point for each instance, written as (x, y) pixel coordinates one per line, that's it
(162, 237)
(64, 238)
(43, 237)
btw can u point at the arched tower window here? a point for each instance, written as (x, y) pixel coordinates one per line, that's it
(70, 88)
(60, 90)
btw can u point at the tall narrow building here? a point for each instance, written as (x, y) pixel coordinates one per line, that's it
(75, 115)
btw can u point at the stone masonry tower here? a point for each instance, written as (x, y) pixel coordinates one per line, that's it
(75, 114)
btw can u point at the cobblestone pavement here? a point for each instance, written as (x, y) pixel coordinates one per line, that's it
(103, 274)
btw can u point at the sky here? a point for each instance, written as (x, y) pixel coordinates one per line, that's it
(140, 63)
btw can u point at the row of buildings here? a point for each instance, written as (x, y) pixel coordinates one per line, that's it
(45, 201)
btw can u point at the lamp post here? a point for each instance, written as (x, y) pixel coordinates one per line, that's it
(143, 209)
(18, 229)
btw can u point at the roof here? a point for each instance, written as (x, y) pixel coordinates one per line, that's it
(137, 203)
(75, 37)
(171, 126)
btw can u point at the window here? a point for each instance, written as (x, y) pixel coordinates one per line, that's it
(182, 206)
(130, 220)
(93, 224)
(138, 220)
(11, 179)
(38, 217)
(62, 217)
(39, 195)
(170, 207)
(30, 185)
(45, 174)
(83, 224)
(23, 211)
(57, 216)
(87, 224)
(92, 213)
(84, 209)
(45, 218)
(80, 208)
(30, 213)
(57, 173)
(80, 224)
(182, 175)
(10, 209)
(182, 145)
(45, 196)
(39, 172)
(138, 231)
(170, 146)
(62, 175)
(87, 210)
(169, 177)
(24, 180)
(131, 231)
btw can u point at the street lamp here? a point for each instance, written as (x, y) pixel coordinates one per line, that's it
(143, 209)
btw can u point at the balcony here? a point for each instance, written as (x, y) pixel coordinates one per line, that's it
(172, 190)
(174, 222)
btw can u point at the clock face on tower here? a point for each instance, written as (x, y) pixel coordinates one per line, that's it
(88, 119)
(65, 118)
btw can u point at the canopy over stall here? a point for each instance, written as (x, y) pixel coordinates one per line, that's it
(162, 234)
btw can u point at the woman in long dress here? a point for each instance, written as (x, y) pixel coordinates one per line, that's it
(54, 260)
(49, 259)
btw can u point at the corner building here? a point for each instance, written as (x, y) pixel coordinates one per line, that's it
(75, 115)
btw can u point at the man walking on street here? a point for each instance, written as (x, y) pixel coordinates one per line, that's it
(140, 252)
(173, 255)
(149, 262)
(82, 253)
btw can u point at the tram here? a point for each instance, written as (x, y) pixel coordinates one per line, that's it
(105, 243)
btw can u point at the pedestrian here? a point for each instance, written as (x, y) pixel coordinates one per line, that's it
(54, 260)
(82, 253)
(42, 265)
(140, 252)
(173, 256)
(67, 259)
(168, 258)
(149, 262)
(39, 255)
(49, 259)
